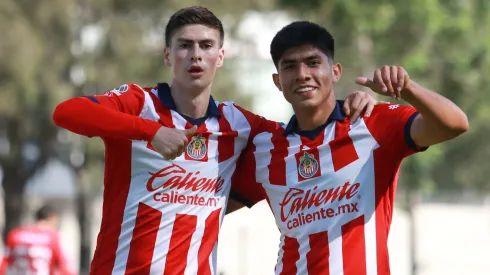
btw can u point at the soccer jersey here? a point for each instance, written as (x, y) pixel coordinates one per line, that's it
(159, 216)
(34, 251)
(331, 190)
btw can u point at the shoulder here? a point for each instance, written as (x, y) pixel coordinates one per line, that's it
(390, 109)
(128, 88)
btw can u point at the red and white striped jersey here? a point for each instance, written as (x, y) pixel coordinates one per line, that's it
(163, 217)
(33, 250)
(332, 195)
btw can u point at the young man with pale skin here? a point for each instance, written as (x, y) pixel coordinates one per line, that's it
(171, 151)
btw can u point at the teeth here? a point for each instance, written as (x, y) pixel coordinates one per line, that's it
(305, 89)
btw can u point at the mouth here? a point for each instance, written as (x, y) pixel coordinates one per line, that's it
(305, 89)
(195, 70)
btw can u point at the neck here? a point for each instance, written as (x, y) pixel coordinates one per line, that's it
(190, 102)
(313, 117)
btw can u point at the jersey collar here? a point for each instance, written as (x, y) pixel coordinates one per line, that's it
(167, 101)
(336, 115)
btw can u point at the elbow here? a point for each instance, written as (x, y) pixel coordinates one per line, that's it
(460, 126)
(62, 113)
(59, 114)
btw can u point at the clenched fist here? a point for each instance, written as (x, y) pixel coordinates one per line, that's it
(171, 142)
(389, 81)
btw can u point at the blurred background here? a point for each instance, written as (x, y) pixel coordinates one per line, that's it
(54, 50)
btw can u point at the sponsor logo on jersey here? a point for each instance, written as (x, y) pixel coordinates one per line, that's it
(327, 203)
(197, 148)
(177, 178)
(173, 184)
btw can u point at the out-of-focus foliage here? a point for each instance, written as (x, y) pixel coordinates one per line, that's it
(444, 45)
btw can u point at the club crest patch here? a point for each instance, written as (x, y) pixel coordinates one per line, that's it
(197, 148)
(308, 165)
(117, 91)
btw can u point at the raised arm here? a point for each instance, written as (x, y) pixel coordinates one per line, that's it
(438, 120)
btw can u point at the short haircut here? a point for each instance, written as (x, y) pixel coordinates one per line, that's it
(45, 212)
(194, 15)
(301, 33)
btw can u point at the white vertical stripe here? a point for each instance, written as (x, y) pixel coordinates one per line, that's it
(304, 248)
(325, 151)
(196, 241)
(148, 111)
(364, 148)
(213, 126)
(335, 246)
(291, 165)
(162, 244)
(178, 120)
(263, 145)
(279, 265)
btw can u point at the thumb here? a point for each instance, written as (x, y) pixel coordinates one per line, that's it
(364, 81)
(191, 131)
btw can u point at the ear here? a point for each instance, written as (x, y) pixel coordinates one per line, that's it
(166, 53)
(221, 57)
(277, 82)
(336, 72)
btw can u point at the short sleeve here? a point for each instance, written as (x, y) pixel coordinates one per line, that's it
(390, 125)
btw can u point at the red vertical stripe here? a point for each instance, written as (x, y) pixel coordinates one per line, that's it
(388, 132)
(354, 247)
(290, 257)
(116, 189)
(277, 167)
(184, 227)
(342, 146)
(317, 257)
(143, 241)
(208, 242)
(226, 142)
(165, 113)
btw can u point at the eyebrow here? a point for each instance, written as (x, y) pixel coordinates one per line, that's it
(191, 41)
(293, 61)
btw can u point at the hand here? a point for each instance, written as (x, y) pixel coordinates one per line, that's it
(358, 101)
(171, 142)
(388, 81)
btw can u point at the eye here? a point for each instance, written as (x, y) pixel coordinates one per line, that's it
(184, 45)
(207, 46)
(313, 63)
(288, 66)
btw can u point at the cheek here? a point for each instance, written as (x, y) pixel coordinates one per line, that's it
(212, 58)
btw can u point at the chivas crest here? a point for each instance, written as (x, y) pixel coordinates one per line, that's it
(308, 165)
(197, 149)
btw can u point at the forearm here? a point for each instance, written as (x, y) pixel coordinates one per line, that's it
(438, 112)
(84, 117)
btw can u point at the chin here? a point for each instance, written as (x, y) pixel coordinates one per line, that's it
(309, 103)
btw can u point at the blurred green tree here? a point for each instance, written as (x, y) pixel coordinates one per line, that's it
(443, 45)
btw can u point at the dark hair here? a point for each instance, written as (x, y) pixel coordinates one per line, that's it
(45, 212)
(193, 15)
(301, 33)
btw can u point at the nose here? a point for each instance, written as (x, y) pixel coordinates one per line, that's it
(196, 53)
(303, 73)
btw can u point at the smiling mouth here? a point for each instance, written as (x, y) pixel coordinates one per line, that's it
(305, 89)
